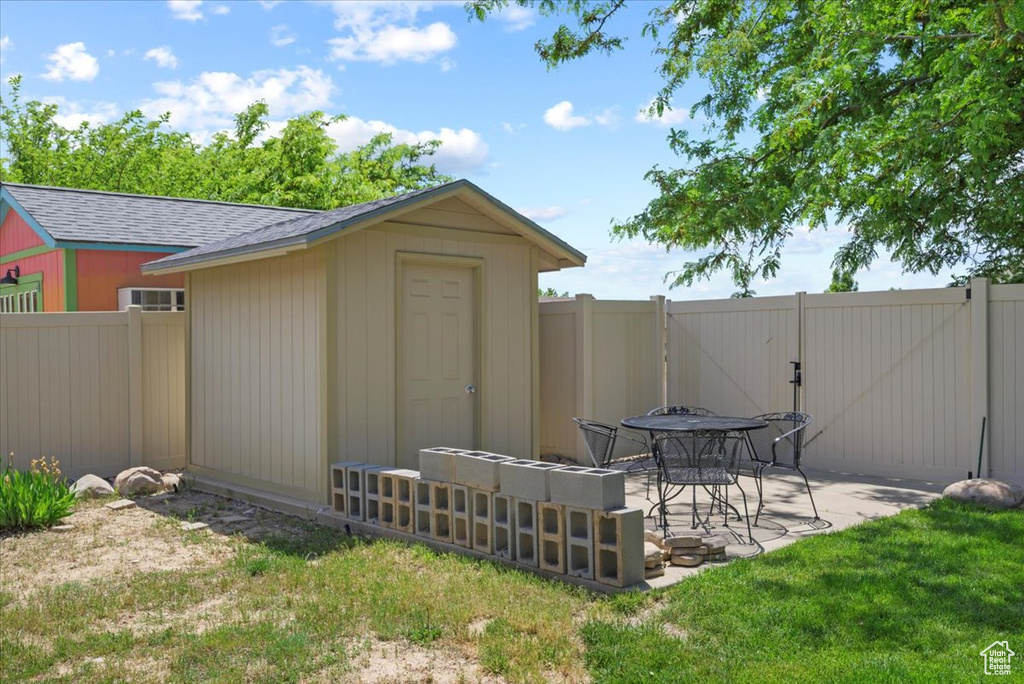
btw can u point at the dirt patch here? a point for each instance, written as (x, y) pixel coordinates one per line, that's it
(372, 661)
(102, 543)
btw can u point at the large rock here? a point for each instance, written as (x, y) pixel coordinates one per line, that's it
(994, 493)
(136, 481)
(91, 487)
(652, 555)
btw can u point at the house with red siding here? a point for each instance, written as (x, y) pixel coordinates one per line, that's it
(63, 249)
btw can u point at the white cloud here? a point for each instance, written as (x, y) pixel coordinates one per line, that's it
(220, 9)
(209, 102)
(516, 18)
(447, 64)
(163, 57)
(561, 117)
(669, 117)
(5, 45)
(386, 32)
(281, 36)
(73, 62)
(512, 129)
(72, 114)
(393, 44)
(270, 4)
(607, 118)
(544, 213)
(460, 151)
(187, 10)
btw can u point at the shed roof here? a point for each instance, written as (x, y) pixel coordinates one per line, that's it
(68, 215)
(300, 232)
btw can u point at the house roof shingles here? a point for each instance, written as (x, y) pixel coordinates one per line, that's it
(307, 228)
(74, 215)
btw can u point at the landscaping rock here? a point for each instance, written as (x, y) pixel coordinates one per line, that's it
(140, 480)
(687, 560)
(651, 573)
(170, 482)
(993, 493)
(67, 527)
(686, 541)
(655, 537)
(193, 526)
(91, 487)
(120, 504)
(715, 544)
(652, 555)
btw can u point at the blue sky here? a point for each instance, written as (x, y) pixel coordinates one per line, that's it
(567, 147)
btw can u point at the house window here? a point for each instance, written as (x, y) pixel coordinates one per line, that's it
(151, 298)
(25, 297)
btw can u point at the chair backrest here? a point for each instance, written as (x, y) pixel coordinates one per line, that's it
(699, 457)
(600, 440)
(786, 432)
(680, 411)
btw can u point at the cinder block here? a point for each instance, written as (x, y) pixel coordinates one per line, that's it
(596, 488)
(526, 479)
(503, 514)
(436, 463)
(405, 507)
(461, 516)
(422, 509)
(339, 486)
(579, 535)
(527, 538)
(478, 469)
(441, 527)
(483, 520)
(372, 495)
(619, 546)
(355, 485)
(551, 525)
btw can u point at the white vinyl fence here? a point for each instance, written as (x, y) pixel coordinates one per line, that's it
(98, 391)
(600, 360)
(898, 382)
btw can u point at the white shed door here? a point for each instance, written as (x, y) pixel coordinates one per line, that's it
(438, 347)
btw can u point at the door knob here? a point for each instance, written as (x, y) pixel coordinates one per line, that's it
(470, 389)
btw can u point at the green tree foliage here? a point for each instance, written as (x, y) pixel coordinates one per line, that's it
(298, 168)
(551, 292)
(842, 281)
(901, 119)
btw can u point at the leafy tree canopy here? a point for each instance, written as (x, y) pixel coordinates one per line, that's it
(900, 119)
(842, 281)
(298, 168)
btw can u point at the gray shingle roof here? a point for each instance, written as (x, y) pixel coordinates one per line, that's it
(107, 217)
(308, 228)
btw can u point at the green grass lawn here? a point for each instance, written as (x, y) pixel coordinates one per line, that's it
(913, 597)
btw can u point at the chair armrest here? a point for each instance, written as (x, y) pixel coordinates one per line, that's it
(639, 439)
(784, 436)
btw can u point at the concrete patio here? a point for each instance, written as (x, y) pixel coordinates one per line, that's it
(843, 500)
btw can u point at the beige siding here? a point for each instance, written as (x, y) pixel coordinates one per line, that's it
(599, 360)
(65, 384)
(732, 356)
(888, 380)
(163, 389)
(255, 354)
(362, 408)
(1006, 389)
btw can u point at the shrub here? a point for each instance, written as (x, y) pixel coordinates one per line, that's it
(37, 498)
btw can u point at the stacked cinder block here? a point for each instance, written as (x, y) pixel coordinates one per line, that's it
(565, 520)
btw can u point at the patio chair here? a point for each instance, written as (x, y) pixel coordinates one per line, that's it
(601, 439)
(680, 411)
(779, 445)
(713, 464)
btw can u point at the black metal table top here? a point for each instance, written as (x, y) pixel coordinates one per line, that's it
(690, 423)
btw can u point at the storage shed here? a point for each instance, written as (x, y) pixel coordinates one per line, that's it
(364, 334)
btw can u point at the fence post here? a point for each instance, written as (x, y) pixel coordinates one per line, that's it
(801, 348)
(979, 371)
(660, 348)
(135, 413)
(584, 365)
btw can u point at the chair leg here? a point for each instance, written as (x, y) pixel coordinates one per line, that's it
(808, 485)
(746, 512)
(760, 491)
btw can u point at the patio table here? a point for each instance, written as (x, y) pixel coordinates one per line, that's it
(689, 423)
